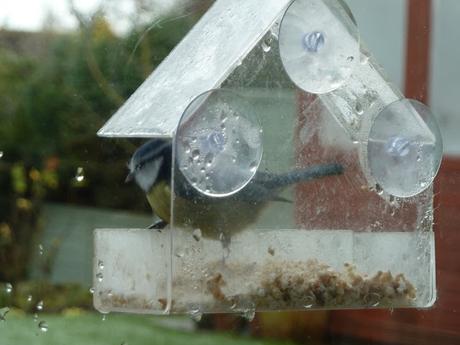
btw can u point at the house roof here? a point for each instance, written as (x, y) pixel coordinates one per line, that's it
(200, 62)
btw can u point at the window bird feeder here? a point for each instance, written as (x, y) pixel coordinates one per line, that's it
(273, 86)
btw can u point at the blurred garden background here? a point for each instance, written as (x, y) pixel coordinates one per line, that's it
(58, 181)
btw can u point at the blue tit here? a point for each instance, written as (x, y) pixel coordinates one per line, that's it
(217, 218)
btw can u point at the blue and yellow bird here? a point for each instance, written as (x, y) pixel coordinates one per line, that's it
(217, 218)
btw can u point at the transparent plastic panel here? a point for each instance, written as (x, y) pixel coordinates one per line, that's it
(306, 231)
(131, 271)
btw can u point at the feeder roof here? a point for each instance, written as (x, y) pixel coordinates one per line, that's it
(200, 62)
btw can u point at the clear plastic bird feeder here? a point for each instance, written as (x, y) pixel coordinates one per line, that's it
(264, 88)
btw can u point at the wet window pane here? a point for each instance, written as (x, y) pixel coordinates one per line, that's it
(67, 67)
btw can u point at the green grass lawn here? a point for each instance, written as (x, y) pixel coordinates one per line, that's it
(90, 329)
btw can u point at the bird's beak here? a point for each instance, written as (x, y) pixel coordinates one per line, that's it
(130, 177)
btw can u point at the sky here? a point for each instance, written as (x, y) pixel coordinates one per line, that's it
(30, 14)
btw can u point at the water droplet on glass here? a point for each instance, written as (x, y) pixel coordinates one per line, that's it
(398, 146)
(364, 59)
(35, 317)
(209, 159)
(80, 174)
(1, 154)
(378, 189)
(104, 317)
(193, 139)
(43, 326)
(40, 305)
(266, 45)
(100, 264)
(8, 288)
(423, 184)
(249, 314)
(40, 249)
(197, 234)
(359, 108)
(196, 314)
(314, 41)
(179, 253)
(3, 312)
(29, 298)
(196, 154)
(99, 277)
(253, 167)
(350, 59)
(91, 290)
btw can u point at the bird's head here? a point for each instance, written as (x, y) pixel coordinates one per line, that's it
(150, 162)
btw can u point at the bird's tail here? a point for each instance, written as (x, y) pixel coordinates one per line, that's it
(304, 175)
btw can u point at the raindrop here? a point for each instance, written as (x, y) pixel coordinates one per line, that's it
(186, 146)
(419, 158)
(350, 59)
(314, 41)
(253, 167)
(104, 317)
(196, 314)
(423, 184)
(249, 314)
(197, 234)
(359, 108)
(40, 306)
(1, 154)
(43, 326)
(196, 154)
(99, 277)
(35, 317)
(203, 170)
(8, 288)
(3, 312)
(179, 253)
(266, 45)
(193, 139)
(364, 58)
(100, 264)
(80, 174)
(209, 159)
(40, 249)
(378, 189)
(91, 290)
(29, 298)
